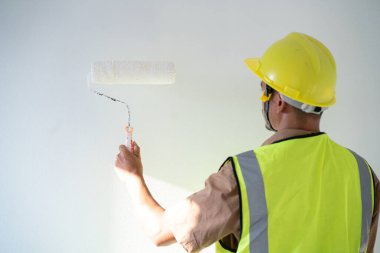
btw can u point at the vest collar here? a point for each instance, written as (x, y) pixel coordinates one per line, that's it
(286, 134)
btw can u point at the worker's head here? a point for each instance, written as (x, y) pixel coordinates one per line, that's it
(279, 114)
(300, 72)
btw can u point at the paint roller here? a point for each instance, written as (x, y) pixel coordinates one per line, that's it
(130, 73)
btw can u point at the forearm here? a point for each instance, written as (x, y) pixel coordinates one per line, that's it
(128, 167)
(149, 212)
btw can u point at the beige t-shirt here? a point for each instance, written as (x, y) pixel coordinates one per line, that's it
(213, 213)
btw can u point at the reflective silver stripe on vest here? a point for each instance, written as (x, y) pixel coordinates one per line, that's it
(366, 194)
(258, 211)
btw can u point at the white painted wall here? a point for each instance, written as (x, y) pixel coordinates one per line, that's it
(58, 141)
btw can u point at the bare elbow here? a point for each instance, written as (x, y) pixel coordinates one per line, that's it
(156, 241)
(163, 240)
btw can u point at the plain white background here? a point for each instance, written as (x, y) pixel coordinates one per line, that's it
(58, 141)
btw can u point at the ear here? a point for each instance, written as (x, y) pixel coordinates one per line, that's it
(281, 105)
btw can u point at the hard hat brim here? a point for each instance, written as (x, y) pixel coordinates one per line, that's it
(254, 65)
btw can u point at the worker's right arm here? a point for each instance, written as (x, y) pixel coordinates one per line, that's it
(198, 221)
(129, 168)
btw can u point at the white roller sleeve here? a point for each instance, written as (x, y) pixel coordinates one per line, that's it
(132, 72)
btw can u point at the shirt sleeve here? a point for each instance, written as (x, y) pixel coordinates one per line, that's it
(209, 214)
(375, 215)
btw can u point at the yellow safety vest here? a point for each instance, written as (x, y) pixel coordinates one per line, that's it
(303, 195)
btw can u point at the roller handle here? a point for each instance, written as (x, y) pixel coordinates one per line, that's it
(129, 141)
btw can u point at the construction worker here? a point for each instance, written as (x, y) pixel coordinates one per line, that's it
(298, 192)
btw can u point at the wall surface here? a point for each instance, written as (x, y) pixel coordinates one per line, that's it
(58, 141)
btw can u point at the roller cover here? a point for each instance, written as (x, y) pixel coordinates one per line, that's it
(132, 72)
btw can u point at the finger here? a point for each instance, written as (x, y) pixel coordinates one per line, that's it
(136, 149)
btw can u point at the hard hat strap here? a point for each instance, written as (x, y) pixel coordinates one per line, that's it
(267, 94)
(264, 97)
(304, 107)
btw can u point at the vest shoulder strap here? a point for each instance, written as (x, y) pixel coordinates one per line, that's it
(367, 196)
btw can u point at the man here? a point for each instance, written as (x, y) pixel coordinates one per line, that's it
(299, 192)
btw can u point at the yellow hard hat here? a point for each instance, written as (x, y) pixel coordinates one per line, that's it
(299, 67)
